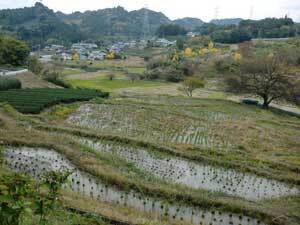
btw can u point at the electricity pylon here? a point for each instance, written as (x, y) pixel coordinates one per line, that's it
(146, 24)
(251, 12)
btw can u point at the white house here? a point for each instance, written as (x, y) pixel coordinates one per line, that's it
(57, 48)
(66, 56)
(97, 55)
(46, 58)
(84, 46)
(115, 49)
(192, 34)
(162, 42)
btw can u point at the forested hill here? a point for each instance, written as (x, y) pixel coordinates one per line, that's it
(189, 23)
(117, 21)
(225, 22)
(39, 25)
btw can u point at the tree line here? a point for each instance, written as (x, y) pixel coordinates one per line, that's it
(248, 29)
(244, 31)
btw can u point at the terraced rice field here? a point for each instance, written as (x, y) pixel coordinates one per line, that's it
(151, 124)
(173, 160)
(196, 175)
(38, 161)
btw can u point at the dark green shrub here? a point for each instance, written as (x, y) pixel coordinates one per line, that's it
(166, 70)
(88, 69)
(57, 81)
(250, 102)
(83, 67)
(298, 61)
(174, 76)
(226, 65)
(151, 74)
(54, 77)
(91, 69)
(15, 191)
(9, 83)
(34, 65)
(221, 65)
(54, 181)
(146, 58)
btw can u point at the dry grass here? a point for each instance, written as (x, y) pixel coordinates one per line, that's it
(30, 80)
(114, 211)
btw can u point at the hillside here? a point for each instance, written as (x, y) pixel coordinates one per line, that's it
(37, 24)
(116, 21)
(40, 25)
(224, 22)
(189, 23)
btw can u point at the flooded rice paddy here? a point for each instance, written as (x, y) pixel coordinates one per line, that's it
(36, 162)
(146, 123)
(196, 175)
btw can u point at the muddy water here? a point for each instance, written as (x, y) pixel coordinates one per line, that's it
(36, 162)
(197, 175)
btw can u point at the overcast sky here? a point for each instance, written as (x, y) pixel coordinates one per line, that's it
(205, 10)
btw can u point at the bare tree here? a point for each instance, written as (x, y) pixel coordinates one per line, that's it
(192, 83)
(264, 76)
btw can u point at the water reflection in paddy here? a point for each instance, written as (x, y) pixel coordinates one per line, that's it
(197, 175)
(36, 162)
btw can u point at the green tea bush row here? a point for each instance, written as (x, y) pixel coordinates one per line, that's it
(35, 100)
(9, 83)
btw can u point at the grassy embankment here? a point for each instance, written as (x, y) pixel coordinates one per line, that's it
(248, 153)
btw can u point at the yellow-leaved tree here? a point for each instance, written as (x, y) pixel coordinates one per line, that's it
(212, 49)
(110, 55)
(76, 57)
(175, 57)
(237, 57)
(203, 51)
(188, 52)
(211, 45)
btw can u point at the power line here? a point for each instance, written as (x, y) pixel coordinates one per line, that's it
(217, 11)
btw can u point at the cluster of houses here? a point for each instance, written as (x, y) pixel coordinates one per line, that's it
(90, 51)
(192, 34)
(162, 42)
(120, 46)
(87, 51)
(80, 51)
